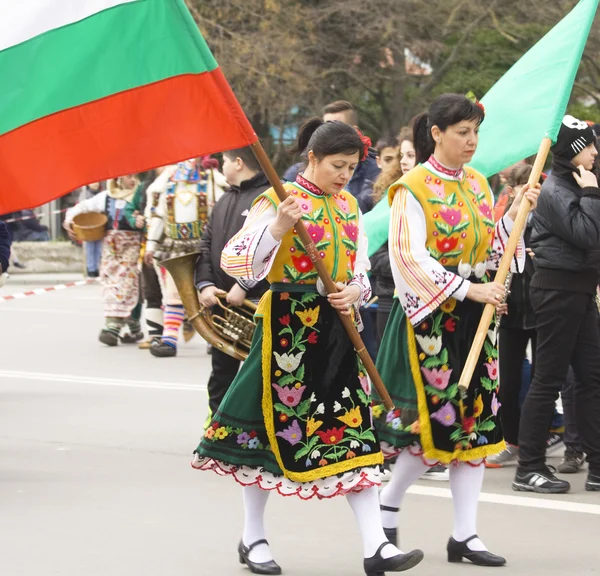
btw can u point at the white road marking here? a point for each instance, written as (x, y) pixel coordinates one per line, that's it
(74, 379)
(42, 310)
(507, 500)
(492, 498)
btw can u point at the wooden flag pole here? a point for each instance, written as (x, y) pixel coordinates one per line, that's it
(503, 268)
(329, 284)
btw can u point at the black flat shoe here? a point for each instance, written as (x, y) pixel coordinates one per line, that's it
(378, 566)
(270, 567)
(108, 337)
(161, 350)
(390, 533)
(459, 550)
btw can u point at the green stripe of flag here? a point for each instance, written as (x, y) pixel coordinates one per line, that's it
(91, 59)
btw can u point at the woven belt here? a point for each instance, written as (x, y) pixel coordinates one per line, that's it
(186, 231)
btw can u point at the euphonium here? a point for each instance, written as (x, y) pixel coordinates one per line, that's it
(230, 333)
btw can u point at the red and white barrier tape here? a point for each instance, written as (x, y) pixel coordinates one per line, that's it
(38, 291)
(33, 216)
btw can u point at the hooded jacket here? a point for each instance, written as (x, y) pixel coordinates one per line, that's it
(566, 233)
(227, 218)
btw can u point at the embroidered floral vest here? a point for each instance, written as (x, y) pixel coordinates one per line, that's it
(460, 225)
(332, 222)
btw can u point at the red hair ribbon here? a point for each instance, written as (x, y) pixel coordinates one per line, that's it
(367, 143)
(478, 103)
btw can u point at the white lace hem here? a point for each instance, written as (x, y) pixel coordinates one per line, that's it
(353, 481)
(416, 450)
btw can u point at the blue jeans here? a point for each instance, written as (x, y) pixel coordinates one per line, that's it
(93, 255)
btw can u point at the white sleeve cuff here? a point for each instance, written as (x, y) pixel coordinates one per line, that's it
(461, 293)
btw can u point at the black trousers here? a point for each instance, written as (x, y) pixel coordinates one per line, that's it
(571, 438)
(512, 344)
(224, 370)
(151, 287)
(567, 334)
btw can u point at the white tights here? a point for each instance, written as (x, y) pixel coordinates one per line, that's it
(465, 484)
(364, 504)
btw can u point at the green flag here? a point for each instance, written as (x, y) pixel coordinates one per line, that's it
(526, 105)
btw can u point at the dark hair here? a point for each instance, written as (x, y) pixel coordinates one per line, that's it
(342, 106)
(247, 157)
(446, 110)
(386, 142)
(519, 175)
(328, 138)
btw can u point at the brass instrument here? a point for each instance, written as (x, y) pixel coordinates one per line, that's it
(230, 332)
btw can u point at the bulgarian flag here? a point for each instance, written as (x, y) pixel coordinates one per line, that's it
(93, 89)
(525, 106)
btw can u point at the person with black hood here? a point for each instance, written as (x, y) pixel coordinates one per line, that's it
(565, 240)
(247, 182)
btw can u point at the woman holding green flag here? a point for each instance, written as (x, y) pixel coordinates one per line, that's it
(442, 243)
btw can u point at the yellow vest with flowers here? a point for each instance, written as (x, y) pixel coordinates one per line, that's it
(460, 225)
(332, 222)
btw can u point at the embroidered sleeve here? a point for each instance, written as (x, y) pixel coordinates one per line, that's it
(502, 231)
(422, 283)
(362, 264)
(250, 253)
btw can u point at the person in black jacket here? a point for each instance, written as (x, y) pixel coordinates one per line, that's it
(4, 250)
(565, 240)
(247, 181)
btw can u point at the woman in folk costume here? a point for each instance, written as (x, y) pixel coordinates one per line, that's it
(442, 243)
(119, 270)
(297, 417)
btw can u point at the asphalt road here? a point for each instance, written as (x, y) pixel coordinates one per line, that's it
(95, 445)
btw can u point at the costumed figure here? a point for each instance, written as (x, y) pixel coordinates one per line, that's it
(119, 271)
(175, 229)
(147, 199)
(442, 243)
(297, 417)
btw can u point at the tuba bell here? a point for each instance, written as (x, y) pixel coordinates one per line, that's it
(231, 331)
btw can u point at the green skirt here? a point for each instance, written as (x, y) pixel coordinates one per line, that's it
(298, 415)
(420, 367)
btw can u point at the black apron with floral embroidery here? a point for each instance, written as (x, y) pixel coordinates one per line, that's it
(315, 403)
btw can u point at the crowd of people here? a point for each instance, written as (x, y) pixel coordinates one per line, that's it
(298, 417)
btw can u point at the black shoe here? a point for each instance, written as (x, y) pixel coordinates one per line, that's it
(162, 350)
(93, 273)
(390, 533)
(572, 461)
(459, 550)
(108, 337)
(130, 338)
(592, 484)
(554, 443)
(378, 566)
(270, 567)
(542, 481)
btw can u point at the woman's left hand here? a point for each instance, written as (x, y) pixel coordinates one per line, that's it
(345, 298)
(531, 193)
